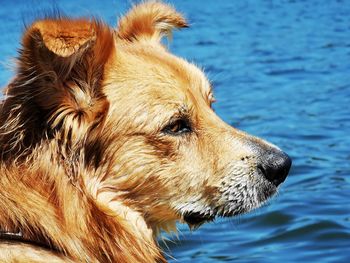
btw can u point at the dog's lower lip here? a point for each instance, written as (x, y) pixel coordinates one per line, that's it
(195, 219)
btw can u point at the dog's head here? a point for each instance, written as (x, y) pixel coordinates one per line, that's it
(140, 119)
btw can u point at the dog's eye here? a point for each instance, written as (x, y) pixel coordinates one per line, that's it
(178, 127)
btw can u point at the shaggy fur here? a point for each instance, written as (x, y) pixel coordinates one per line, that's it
(106, 138)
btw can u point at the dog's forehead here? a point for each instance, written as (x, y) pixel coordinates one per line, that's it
(153, 69)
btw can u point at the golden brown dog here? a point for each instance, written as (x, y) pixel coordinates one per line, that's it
(106, 139)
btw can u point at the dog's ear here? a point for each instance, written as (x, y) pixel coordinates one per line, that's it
(63, 62)
(61, 36)
(149, 21)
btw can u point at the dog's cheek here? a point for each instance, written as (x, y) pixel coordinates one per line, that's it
(163, 149)
(140, 167)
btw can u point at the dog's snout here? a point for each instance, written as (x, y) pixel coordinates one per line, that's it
(275, 166)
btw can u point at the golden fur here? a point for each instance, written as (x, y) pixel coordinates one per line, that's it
(106, 138)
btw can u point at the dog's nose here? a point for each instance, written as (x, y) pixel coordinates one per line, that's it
(275, 166)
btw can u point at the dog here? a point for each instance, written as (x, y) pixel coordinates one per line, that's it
(106, 139)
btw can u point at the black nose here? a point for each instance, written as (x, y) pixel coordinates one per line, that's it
(275, 166)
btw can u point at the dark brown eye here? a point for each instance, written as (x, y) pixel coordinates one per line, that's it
(178, 127)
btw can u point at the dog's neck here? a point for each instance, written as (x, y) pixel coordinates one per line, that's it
(120, 232)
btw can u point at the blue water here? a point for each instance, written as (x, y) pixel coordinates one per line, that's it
(281, 70)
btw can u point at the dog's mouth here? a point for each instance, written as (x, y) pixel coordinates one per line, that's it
(196, 219)
(235, 200)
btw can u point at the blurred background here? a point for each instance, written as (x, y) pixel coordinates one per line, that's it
(281, 71)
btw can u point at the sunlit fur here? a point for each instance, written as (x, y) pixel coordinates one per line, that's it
(88, 172)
